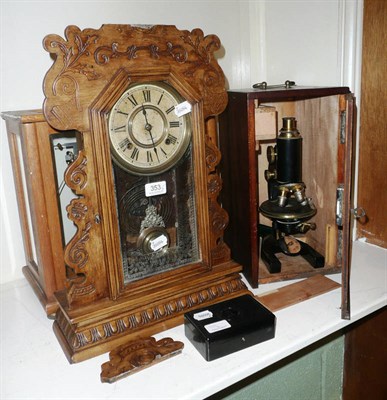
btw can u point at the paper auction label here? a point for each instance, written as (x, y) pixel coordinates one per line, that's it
(159, 242)
(203, 315)
(155, 188)
(183, 108)
(217, 326)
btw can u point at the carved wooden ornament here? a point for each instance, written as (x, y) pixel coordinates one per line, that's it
(138, 355)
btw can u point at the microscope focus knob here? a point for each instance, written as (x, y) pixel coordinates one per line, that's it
(270, 174)
(271, 154)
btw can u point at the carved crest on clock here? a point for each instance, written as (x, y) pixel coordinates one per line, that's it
(83, 56)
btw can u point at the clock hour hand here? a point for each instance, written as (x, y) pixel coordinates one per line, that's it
(148, 126)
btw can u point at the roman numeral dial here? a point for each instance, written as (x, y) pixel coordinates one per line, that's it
(147, 134)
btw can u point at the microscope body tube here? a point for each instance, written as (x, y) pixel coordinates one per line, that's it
(289, 153)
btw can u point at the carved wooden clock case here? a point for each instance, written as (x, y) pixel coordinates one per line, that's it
(143, 102)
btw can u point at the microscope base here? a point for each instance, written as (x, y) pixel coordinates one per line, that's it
(270, 247)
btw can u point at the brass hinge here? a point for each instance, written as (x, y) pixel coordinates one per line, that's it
(343, 126)
(339, 205)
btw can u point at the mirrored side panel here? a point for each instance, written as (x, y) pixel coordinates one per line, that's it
(65, 146)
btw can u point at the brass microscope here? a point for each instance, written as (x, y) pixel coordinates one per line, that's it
(287, 206)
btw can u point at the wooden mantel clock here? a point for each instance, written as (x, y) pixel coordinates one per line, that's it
(149, 231)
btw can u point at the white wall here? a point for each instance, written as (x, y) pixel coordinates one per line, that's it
(308, 41)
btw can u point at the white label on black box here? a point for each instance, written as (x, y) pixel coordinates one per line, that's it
(217, 326)
(203, 315)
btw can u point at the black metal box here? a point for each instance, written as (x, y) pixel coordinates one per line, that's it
(229, 326)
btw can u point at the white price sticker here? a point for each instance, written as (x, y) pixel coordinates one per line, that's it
(217, 326)
(203, 315)
(159, 242)
(155, 188)
(183, 108)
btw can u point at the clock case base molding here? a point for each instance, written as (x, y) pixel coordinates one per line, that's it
(96, 329)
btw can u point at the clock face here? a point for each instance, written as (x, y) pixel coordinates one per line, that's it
(149, 129)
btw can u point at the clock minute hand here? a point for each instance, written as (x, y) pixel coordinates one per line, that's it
(148, 127)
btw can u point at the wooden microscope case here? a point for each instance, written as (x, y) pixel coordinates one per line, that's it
(247, 127)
